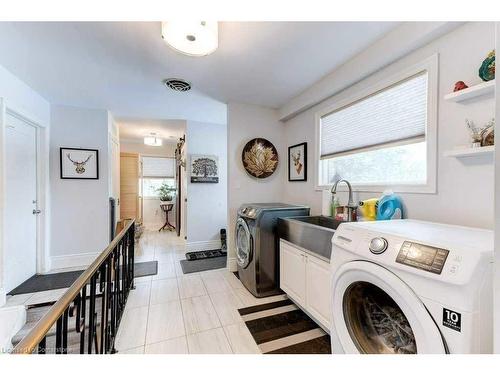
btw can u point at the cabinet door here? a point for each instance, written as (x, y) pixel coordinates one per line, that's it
(318, 284)
(293, 272)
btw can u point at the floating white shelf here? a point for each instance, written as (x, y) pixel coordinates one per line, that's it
(483, 88)
(467, 152)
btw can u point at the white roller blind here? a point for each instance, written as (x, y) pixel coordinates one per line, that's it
(158, 167)
(397, 113)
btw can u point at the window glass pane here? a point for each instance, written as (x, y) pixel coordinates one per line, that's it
(398, 165)
(151, 185)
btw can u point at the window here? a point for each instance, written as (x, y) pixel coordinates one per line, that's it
(156, 171)
(384, 138)
(151, 185)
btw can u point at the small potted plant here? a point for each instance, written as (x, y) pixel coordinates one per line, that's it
(166, 192)
(475, 133)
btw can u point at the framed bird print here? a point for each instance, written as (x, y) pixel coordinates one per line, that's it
(297, 162)
(79, 163)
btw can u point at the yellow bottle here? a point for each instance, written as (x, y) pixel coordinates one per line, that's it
(368, 209)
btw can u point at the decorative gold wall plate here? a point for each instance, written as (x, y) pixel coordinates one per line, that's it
(260, 158)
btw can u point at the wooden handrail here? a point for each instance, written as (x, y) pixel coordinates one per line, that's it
(30, 342)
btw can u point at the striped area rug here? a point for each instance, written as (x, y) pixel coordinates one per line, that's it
(282, 328)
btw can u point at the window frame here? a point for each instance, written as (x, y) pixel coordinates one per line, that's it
(430, 65)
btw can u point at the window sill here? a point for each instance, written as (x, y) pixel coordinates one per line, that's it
(411, 189)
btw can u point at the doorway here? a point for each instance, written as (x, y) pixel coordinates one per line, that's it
(22, 200)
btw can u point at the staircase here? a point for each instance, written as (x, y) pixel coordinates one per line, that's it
(36, 312)
(86, 318)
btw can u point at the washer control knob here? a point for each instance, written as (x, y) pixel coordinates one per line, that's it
(378, 245)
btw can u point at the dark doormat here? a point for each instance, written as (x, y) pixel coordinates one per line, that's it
(40, 283)
(190, 266)
(204, 254)
(282, 328)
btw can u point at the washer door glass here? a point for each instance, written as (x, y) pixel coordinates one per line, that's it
(374, 311)
(376, 323)
(243, 244)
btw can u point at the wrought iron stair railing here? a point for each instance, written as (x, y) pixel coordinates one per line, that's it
(96, 301)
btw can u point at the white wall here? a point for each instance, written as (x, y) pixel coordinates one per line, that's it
(246, 122)
(79, 208)
(407, 37)
(206, 202)
(167, 149)
(22, 98)
(18, 96)
(496, 269)
(114, 164)
(464, 188)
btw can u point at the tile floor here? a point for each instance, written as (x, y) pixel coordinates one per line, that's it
(179, 314)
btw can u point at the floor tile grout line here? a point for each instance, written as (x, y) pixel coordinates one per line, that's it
(170, 338)
(182, 313)
(149, 311)
(135, 347)
(228, 341)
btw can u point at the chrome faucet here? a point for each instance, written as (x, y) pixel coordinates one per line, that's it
(351, 206)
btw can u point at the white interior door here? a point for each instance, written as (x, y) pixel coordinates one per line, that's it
(21, 202)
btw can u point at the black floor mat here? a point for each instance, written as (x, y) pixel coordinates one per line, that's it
(205, 254)
(40, 283)
(271, 330)
(190, 266)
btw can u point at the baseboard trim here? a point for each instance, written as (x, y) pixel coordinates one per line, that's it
(203, 245)
(72, 260)
(232, 265)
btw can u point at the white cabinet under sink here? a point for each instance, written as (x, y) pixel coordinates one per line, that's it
(293, 272)
(307, 281)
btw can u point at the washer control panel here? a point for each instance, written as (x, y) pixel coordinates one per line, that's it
(249, 212)
(427, 258)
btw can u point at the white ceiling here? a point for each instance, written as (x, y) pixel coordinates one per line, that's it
(134, 130)
(119, 65)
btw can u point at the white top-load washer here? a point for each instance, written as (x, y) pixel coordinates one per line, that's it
(407, 286)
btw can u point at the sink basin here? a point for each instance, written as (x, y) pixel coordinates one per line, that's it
(312, 233)
(322, 221)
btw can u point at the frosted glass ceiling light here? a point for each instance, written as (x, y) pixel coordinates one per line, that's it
(193, 38)
(153, 140)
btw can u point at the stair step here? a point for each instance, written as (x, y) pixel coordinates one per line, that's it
(34, 314)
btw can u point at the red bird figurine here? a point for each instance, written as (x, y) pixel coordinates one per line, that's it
(460, 85)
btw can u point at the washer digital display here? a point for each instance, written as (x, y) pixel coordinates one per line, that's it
(424, 257)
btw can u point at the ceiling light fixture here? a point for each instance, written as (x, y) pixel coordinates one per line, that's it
(153, 140)
(194, 38)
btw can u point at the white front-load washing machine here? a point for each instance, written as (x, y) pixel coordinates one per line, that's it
(407, 286)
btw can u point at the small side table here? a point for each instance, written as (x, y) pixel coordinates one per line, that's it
(166, 207)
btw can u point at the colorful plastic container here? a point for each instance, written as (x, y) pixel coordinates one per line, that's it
(389, 207)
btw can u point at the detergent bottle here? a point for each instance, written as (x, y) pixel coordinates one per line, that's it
(389, 207)
(368, 209)
(333, 206)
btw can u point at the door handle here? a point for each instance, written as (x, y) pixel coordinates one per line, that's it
(36, 212)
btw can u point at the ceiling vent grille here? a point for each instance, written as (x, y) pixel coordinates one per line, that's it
(177, 84)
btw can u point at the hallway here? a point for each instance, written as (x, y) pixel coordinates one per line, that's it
(179, 314)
